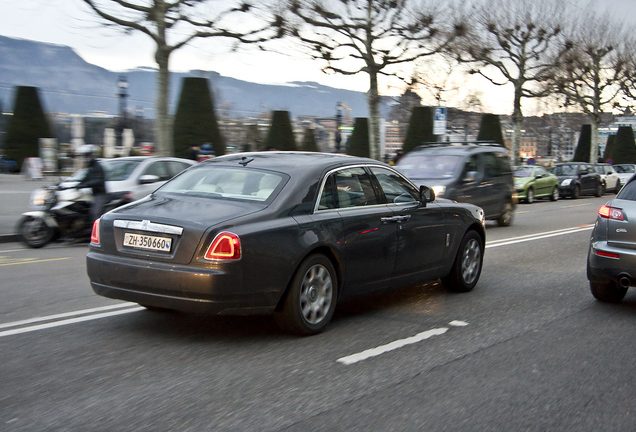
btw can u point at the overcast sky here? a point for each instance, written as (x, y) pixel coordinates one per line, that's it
(67, 22)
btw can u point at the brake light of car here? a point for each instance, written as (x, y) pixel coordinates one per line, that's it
(95, 233)
(611, 213)
(225, 246)
(606, 254)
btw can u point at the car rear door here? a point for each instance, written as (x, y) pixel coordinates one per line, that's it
(370, 242)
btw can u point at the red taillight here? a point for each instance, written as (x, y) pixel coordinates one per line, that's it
(606, 254)
(95, 233)
(226, 246)
(611, 213)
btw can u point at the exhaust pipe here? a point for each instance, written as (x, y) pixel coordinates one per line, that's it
(625, 281)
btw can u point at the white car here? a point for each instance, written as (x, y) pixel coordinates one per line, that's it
(611, 180)
(625, 171)
(137, 175)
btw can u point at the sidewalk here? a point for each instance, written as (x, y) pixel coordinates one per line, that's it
(15, 191)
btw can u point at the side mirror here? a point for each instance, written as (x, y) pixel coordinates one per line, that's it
(426, 195)
(148, 178)
(470, 177)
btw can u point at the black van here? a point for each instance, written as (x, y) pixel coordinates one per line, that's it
(475, 172)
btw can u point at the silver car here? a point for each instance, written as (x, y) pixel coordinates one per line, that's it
(611, 259)
(137, 175)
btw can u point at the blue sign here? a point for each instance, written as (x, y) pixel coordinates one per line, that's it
(439, 121)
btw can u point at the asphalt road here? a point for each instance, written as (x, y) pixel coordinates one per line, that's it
(528, 350)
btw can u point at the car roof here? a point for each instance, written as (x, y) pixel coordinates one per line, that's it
(290, 162)
(460, 149)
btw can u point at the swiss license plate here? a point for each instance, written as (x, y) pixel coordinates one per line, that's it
(146, 242)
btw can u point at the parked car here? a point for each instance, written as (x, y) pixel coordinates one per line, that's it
(611, 262)
(283, 233)
(8, 165)
(625, 171)
(533, 181)
(473, 172)
(578, 178)
(610, 178)
(138, 175)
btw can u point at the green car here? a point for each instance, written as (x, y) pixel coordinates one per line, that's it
(532, 181)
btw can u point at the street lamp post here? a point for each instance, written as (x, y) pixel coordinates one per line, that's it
(123, 87)
(338, 124)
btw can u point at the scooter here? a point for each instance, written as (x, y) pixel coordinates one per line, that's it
(58, 212)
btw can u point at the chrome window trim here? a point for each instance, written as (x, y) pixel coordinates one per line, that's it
(369, 165)
(148, 226)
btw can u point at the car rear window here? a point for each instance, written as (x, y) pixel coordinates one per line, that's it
(225, 182)
(628, 192)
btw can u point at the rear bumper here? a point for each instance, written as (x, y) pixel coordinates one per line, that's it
(601, 268)
(184, 288)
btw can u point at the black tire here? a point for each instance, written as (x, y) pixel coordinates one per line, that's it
(555, 194)
(530, 196)
(467, 266)
(310, 300)
(156, 309)
(600, 190)
(576, 192)
(618, 186)
(507, 214)
(607, 291)
(34, 232)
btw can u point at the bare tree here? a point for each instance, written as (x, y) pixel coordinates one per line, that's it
(519, 43)
(591, 73)
(369, 36)
(172, 24)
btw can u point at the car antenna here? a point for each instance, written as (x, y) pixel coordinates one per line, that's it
(244, 160)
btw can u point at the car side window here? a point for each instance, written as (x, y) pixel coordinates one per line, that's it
(159, 169)
(471, 168)
(354, 188)
(395, 188)
(175, 167)
(327, 200)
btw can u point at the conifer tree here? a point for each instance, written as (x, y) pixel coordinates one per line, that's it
(582, 152)
(26, 126)
(195, 122)
(490, 129)
(309, 141)
(281, 134)
(358, 144)
(420, 128)
(625, 147)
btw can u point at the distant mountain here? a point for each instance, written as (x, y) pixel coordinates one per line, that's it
(68, 84)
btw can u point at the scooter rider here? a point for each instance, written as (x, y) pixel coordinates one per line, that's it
(94, 179)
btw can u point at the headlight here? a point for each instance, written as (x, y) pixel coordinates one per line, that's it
(566, 182)
(439, 190)
(39, 197)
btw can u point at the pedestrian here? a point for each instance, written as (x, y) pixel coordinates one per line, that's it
(94, 179)
(193, 153)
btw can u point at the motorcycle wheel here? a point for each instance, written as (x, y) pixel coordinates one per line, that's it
(34, 232)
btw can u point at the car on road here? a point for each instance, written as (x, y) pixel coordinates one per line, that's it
(578, 178)
(610, 178)
(8, 165)
(534, 181)
(611, 259)
(283, 233)
(625, 171)
(474, 172)
(137, 175)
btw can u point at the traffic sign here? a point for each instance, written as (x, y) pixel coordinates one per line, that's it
(439, 121)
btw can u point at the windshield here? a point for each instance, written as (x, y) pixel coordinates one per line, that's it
(119, 169)
(420, 166)
(523, 172)
(565, 170)
(624, 168)
(225, 182)
(77, 176)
